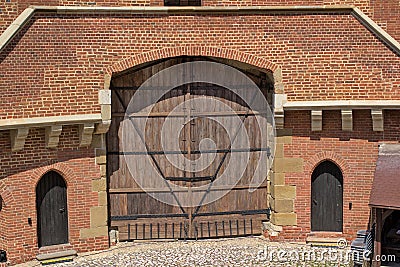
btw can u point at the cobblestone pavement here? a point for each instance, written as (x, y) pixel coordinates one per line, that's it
(249, 251)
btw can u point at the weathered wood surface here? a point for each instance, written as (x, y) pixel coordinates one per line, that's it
(128, 199)
(52, 217)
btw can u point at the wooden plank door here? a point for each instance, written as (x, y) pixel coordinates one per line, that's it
(137, 213)
(52, 213)
(239, 210)
(327, 198)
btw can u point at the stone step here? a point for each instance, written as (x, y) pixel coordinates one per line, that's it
(56, 257)
(326, 241)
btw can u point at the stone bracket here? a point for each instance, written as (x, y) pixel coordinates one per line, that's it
(18, 137)
(53, 135)
(85, 134)
(377, 120)
(316, 120)
(347, 119)
(102, 127)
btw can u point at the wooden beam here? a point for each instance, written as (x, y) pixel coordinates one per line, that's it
(53, 135)
(166, 190)
(18, 137)
(85, 134)
(347, 120)
(193, 114)
(378, 236)
(316, 120)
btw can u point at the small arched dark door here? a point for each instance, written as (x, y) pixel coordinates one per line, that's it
(51, 205)
(327, 198)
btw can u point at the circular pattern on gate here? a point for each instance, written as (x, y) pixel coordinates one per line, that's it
(202, 134)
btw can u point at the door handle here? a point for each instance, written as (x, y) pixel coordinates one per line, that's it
(315, 202)
(62, 210)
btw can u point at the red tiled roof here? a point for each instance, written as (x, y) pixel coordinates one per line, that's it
(385, 191)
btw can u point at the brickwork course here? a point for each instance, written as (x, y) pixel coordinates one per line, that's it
(57, 63)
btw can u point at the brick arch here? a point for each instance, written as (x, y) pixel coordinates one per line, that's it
(193, 51)
(59, 167)
(323, 156)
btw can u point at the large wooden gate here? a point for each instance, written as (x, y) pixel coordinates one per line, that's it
(137, 213)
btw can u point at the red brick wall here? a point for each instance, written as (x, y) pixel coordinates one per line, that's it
(9, 12)
(19, 174)
(354, 152)
(62, 59)
(384, 12)
(56, 65)
(4, 214)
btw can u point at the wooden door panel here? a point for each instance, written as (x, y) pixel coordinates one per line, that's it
(52, 210)
(129, 205)
(143, 203)
(237, 199)
(327, 198)
(118, 204)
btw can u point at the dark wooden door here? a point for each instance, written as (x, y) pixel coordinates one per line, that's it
(52, 215)
(137, 214)
(327, 198)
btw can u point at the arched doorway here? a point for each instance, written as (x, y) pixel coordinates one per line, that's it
(52, 212)
(327, 198)
(204, 138)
